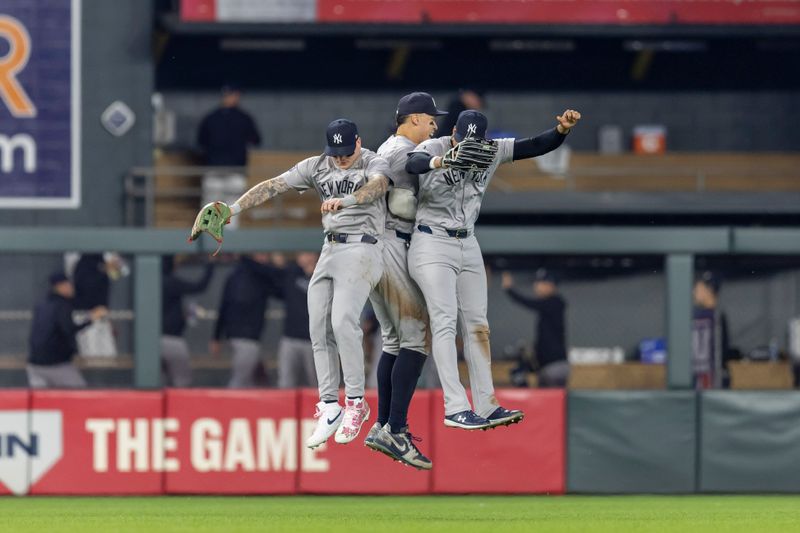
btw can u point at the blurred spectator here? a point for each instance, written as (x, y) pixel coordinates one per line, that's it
(295, 354)
(174, 349)
(465, 99)
(52, 338)
(92, 277)
(711, 348)
(550, 345)
(224, 136)
(241, 317)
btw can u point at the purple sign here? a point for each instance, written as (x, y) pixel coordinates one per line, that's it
(40, 103)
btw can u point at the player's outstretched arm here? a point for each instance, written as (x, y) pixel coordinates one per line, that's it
(260, 193)
(549, 140)
(213, 217)
(375, 188)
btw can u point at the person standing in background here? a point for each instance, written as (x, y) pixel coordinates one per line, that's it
(710, 345)
(295, 353)
(550, 346)
(174, 349)
(465, 99)
(52, 339)
(241, 317)
(92, 277)
(224, 136)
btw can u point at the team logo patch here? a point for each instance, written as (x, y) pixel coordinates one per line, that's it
(472, 129)
(28, 446)
(337, 138)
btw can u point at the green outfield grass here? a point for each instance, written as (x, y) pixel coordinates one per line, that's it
(376, 514)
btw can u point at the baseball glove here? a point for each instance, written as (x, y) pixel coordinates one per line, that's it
(211, 219)
(470, 154)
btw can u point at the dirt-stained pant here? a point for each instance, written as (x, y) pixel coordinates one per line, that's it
(345, 275)
(398, 303)
(452, 277)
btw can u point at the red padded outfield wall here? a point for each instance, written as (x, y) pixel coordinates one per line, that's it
(614, 12)
(251, 442)
(14, 439)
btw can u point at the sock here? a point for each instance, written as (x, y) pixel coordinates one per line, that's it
(385, 366)
(405, 375)
(331, 401)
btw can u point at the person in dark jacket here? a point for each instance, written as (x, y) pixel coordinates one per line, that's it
(241, 317)
(224, 136)
(295, 354)
(52, 338)
(174, 349)
(92, 285)
(550, 346)
(92, 281)
(710, 342)
(467, 98)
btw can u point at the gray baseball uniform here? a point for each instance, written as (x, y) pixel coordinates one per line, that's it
(176, 369)
(349, 267)
(449, 269)
(245, 358)
(397, 301)
(61, 376)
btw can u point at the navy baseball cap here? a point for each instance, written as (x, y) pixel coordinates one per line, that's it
(542, 274)
(342, 135)
(57, 277)
(418, 103)
(231, 87)
(471, 124)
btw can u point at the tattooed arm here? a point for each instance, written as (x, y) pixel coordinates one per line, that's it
(260, 193)
(374, 189)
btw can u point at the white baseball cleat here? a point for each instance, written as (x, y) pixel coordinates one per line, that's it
(329, 418)
(356, 413)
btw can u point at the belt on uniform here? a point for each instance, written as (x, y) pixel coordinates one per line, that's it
(456, 233)
(404, 236)
(350, 237)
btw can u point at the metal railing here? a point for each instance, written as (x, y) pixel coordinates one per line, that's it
(141, 188)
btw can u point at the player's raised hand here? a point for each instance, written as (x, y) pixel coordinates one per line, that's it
(568, 119)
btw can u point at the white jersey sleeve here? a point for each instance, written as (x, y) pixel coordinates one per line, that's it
(505, 150)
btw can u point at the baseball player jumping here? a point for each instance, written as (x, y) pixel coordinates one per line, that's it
(350, 180)
(445, 259)
(397, 301)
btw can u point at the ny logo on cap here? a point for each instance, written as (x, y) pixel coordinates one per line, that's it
(472, 129)
(337, 138)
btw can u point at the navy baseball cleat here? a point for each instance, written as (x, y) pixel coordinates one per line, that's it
(466, 420)
(400, 447)
(370, 439)
(504, 417)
